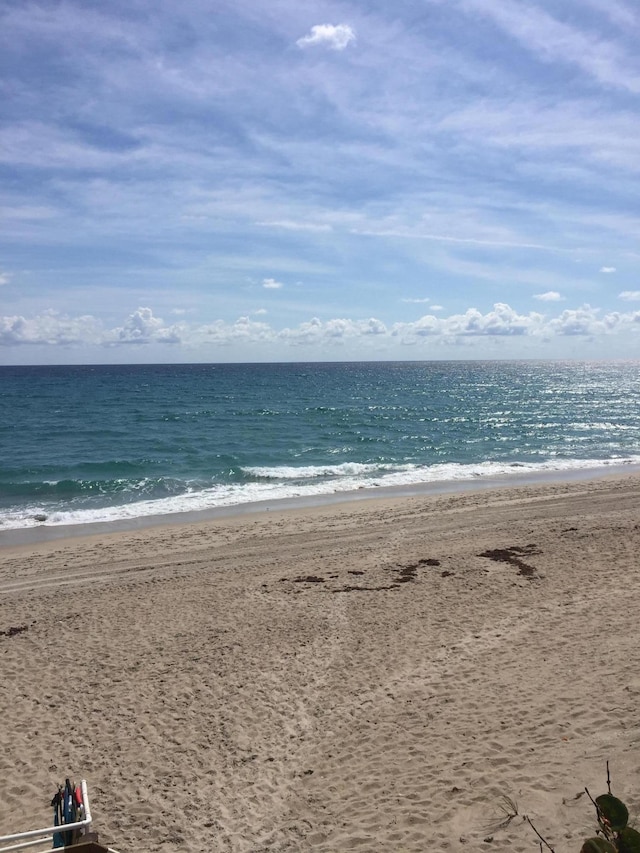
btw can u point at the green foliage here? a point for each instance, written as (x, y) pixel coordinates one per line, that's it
(613, 817)
(614, 833)
(612, 812)
(629, 840)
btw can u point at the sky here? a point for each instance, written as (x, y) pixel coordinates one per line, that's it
(243, 180)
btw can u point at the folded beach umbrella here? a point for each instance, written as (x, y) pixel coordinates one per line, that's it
(68, 808)
(56, 802)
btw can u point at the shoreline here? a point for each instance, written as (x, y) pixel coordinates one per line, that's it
(44, 532)
(377, 674)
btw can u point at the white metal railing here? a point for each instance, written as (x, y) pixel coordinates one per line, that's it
(33, 837)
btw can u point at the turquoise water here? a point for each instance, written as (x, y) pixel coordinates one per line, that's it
(102, 443)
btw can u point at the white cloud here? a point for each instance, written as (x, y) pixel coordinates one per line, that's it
(436, 307)
(4, 278)
(417, 301)
(630, 295)
(424, 327)
(501, 321)
(49, 329)
(373, 327)
(142, 328)
(549, 296)
(336, 330)
(582, 321)
(219, 333)
(607, 269)
(335, 37)
(586, 322)
(271, 284)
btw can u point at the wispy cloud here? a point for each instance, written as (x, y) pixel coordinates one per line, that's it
(538, 128)
(272, 284)
(619, 13)
(333, 36)
(552, 40)
(413, 234)
(607, 269)
(630, 295)
(290, 225)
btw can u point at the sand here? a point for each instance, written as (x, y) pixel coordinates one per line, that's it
(373, 676)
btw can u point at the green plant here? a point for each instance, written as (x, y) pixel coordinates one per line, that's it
(614, 833)
(613, 822)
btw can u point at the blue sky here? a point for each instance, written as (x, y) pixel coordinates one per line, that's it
(284, 181)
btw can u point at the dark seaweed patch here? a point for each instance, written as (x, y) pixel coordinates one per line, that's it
(408, 573)
(513, 556)
(14, 631)
(365, 588)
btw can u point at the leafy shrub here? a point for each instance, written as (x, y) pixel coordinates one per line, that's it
(614, 833)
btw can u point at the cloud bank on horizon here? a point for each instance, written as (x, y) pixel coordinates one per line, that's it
(258, 182)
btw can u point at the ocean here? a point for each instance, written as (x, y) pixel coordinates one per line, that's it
(87, 444)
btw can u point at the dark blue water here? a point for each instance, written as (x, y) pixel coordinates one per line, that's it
(80, 444)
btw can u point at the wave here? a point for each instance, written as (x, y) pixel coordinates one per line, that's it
(286, 482)
(310, 472)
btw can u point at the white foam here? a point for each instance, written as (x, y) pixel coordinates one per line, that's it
(346, 478)
(308, 472)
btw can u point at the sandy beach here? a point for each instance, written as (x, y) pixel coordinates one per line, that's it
(373, 676)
